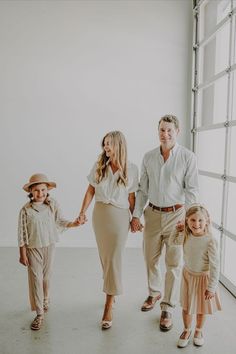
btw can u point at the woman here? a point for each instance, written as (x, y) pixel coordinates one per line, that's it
(113, 181)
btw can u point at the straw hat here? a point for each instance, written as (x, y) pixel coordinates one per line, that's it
(36, 179)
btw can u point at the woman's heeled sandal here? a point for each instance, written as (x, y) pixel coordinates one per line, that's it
(106, 324)
(37, 323)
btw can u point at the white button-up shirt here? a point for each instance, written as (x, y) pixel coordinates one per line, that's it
(108, 192)
(167, 183)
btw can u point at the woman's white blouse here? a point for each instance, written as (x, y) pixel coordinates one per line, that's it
(39, 224)
(109, 192)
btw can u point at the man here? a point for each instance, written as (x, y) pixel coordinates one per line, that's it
(169, 182)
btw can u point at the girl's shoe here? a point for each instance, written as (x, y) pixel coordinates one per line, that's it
(198, 341)
(37, 323)
(183, 342)
(106, 324)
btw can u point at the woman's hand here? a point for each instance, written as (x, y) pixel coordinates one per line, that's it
(82, 218)
(136, 225)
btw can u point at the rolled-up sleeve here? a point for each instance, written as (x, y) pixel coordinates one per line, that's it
(91, 175)
(214, 263)
(61, 222)
(191, 186)
(23, 237)
(142, 193)
(134, 179)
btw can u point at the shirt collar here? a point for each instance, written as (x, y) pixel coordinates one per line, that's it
(172, 151)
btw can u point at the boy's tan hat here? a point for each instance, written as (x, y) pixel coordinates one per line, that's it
(36, 179)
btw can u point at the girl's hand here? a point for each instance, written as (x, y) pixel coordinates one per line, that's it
(82, 219)
(75, 223)
(180, 226)
(24, 260)
(209, 295)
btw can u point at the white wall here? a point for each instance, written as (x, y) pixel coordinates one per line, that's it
(73, 70)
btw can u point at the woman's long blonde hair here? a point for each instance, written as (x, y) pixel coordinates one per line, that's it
(195, 208)
(119, 145)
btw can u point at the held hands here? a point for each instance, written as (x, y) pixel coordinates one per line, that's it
(82, 218)
(209, 295)
(136, 225)
(180, 226)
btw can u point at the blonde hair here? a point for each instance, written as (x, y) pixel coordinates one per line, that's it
(197, 208)
(119, 146)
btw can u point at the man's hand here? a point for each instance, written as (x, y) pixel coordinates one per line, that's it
(136, 225)
(180, 226)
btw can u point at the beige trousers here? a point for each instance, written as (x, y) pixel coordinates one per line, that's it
(111, 227)
(157, 230)
(39, 273)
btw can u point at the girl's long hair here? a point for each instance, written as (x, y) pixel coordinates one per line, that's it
(195, 208)
(119, 146)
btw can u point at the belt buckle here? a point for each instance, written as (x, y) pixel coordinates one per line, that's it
(173, 208)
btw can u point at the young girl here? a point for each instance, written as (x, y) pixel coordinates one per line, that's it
(39, 221)
(199, 294)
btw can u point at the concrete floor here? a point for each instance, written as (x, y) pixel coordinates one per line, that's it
(72, 324)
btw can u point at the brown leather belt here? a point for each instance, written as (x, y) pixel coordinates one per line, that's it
(166, 209)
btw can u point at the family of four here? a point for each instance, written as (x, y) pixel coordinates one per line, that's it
(167, 196)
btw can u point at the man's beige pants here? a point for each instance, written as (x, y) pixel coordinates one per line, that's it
(39, 272)
(157, 230)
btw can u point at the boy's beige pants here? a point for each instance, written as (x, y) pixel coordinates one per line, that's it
(39, 273)
(158, 227)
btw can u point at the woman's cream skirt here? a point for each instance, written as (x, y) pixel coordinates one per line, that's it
(111, 227)
(192, 299)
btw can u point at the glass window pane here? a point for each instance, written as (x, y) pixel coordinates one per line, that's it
(210, 150)
(217, 235)
(230, 260)
(231, 214)
(234, 37)
(208, 187)
(214, 55)
(211, 13)
(212, 103)
(232, 164)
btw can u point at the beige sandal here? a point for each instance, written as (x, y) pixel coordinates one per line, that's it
(37, 323)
